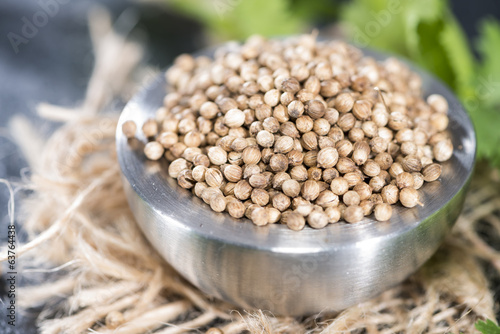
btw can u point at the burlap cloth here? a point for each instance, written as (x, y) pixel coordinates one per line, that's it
(111, 280)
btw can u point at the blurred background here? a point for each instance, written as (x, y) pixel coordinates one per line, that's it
(46, 54)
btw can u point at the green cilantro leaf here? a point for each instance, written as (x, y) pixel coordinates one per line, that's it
(238, 19)
(488, 327)
(483, 103)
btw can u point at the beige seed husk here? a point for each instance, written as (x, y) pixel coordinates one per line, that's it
(409, 197)
(281, 202)
(291, 188)
(443, 150)
(150, 128)
(310, 190)
(153, 150)
(274, 215)
(431, 172)
(339, 186)
(295, 221)
(236, 209)
(129, 128)
(327, 199)
(383, 212)
(390, 194)
(351, 198)
(317, 219)
(213, 177)
(367, 205)
(333, 214)
(217, 155)
(284, 144)
(353, 214)
(259, 216)
(327, 157)
(260, 196)
(218, 203)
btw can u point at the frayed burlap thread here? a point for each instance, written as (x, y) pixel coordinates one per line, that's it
(106, 277)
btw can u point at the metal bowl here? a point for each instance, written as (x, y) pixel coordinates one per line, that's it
(277, 269)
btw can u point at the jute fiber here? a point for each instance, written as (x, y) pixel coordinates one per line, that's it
(106, 278)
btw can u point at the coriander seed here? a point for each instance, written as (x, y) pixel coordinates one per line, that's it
(333, 214)
(259, 216)
(129, 128)
(339, 186)
(218, 203)
(383, 212)
(310, 190)
(353, 214)
(251, 155)
(344, 102)
(371, 168)
(327, 157)
(390, 194)
(291, 188)
(236, 209)
(295, 221)
(281, 202)
(351, 197)
(443, 150)
(362, 109)
(315, 109)
(242, 190)
(278, 163)
(404, 180)
(344, 147)
(150, 128)
(377, 183)
(213, 177)
(234, 118)
(431, 172)
(326, 199)
(311, 126)
(409, 197)
(418, 180)
(284, 144)
(317, 219)
(217, 155)
(265, 138)
(367, 206)
(295, 109)
(260, 197)
(299, 173)
(364, 190)
(153, 150)
(198, 173)
(233, 173)
(257, 181)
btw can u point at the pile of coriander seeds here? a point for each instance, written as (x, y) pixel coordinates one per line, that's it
(298, 131)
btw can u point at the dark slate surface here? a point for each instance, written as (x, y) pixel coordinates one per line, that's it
(54, 64)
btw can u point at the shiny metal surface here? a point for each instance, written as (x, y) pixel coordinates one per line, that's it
(272, 267)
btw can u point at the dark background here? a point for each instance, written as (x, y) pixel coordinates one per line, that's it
(55, 65)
